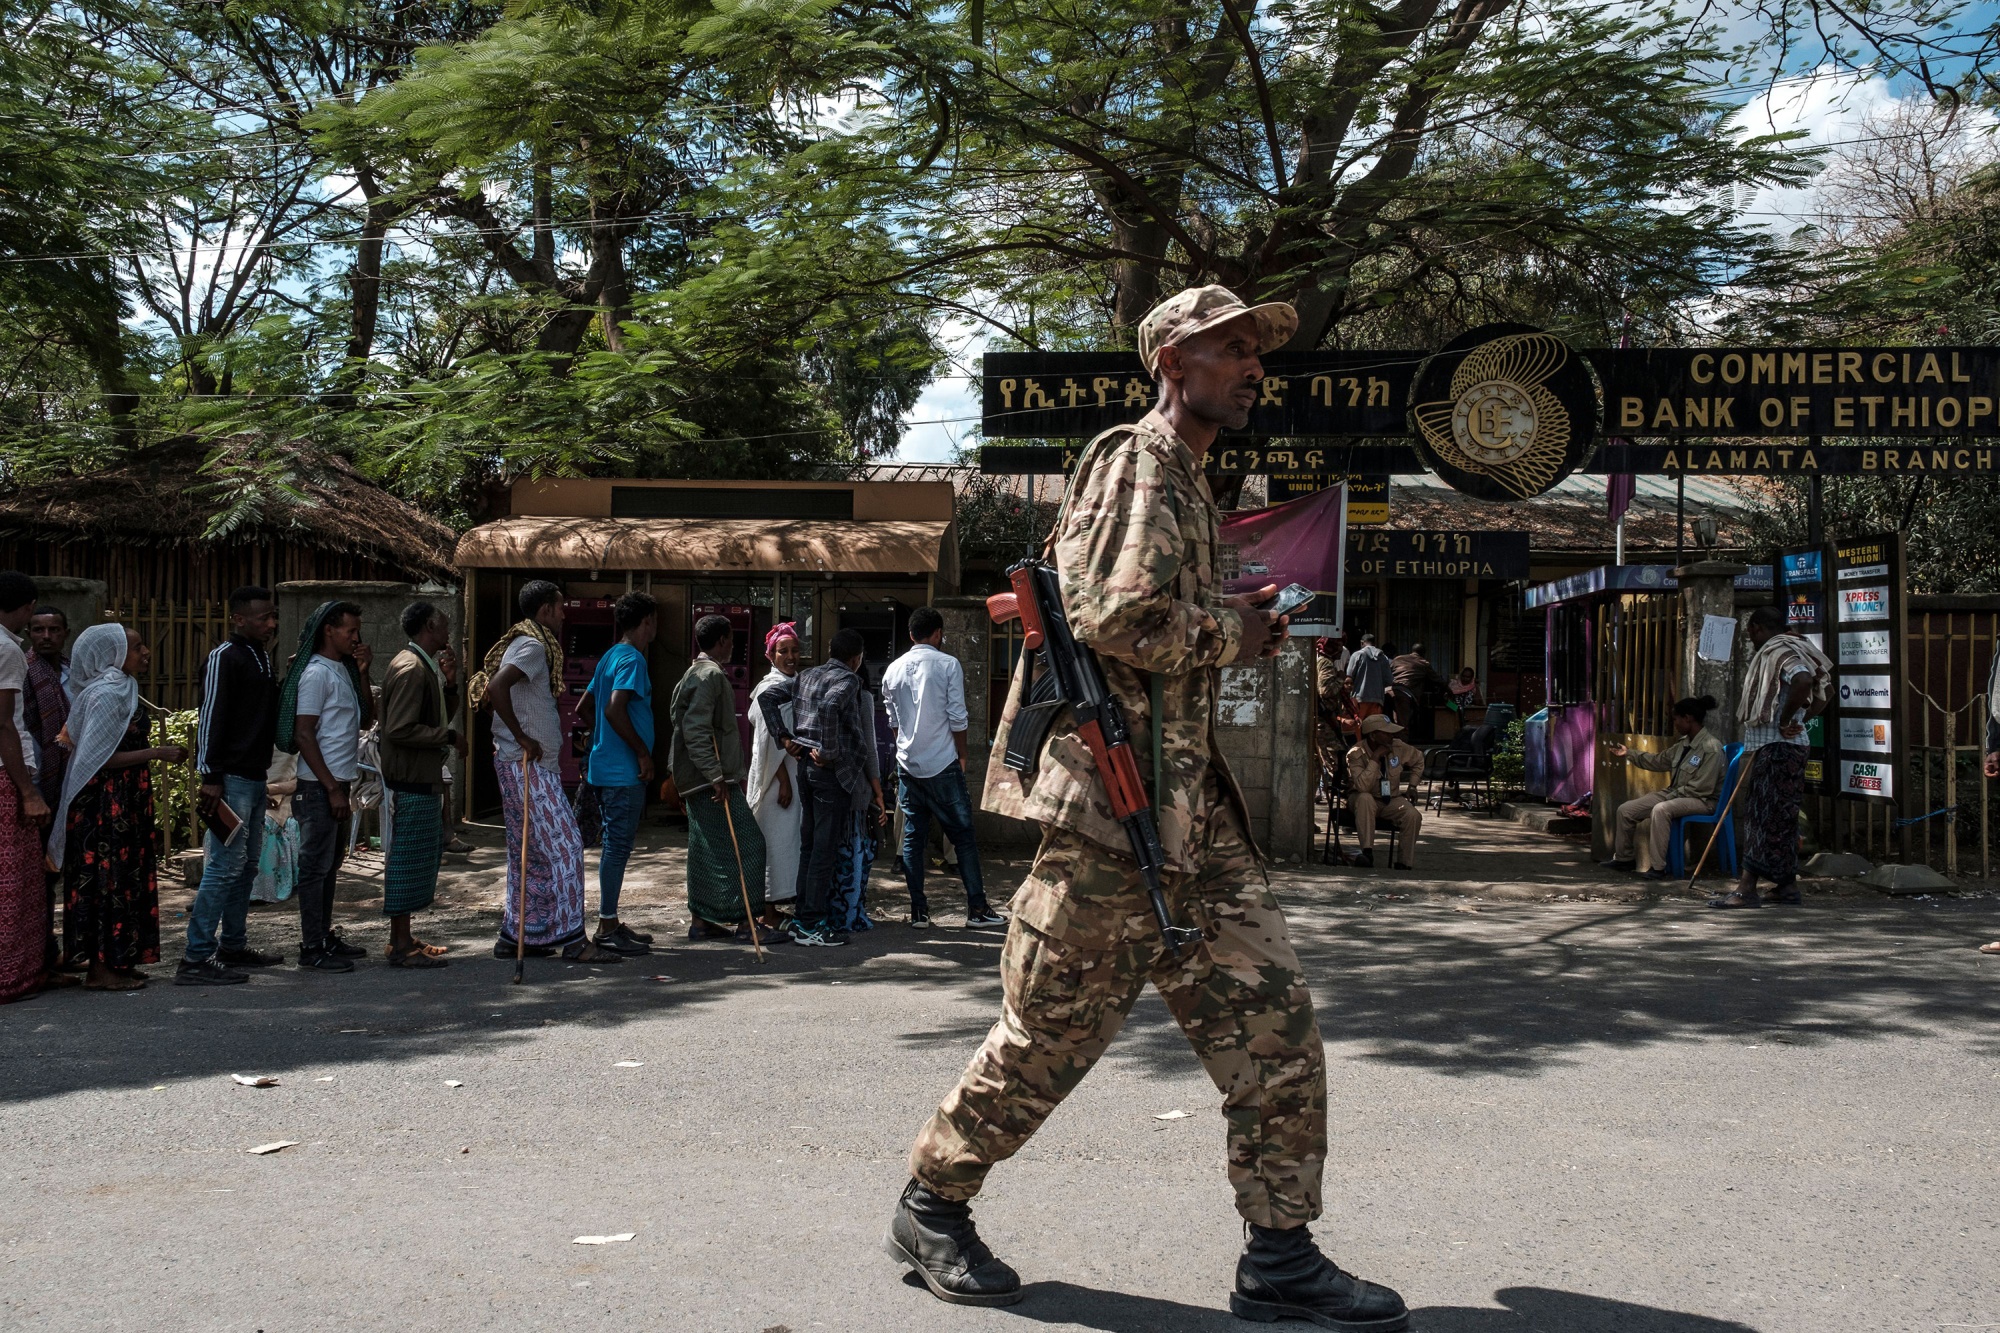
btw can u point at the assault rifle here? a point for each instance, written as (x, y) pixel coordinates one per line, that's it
(1070, 676)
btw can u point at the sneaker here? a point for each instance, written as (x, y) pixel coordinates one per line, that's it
(207, 972)
(619, 942)
(920, 921)
(807, 938)
(984, 917)
(322, 960)
(248, 957)
(340, 948)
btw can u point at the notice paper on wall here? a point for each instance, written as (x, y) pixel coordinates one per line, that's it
(1718, 638)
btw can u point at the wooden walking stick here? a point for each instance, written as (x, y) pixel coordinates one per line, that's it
(521, 916)
(1742, 781)
(742, 880)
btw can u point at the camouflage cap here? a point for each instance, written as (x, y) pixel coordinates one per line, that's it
(1377, 724)
(1187, 313)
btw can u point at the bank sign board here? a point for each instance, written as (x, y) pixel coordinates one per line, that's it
(1506, 411)
(1870, 623)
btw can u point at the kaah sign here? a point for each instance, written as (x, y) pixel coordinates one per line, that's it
(1506, 411)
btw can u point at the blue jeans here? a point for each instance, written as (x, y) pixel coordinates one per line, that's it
(619, 808)
(942, 797)
(223, 900)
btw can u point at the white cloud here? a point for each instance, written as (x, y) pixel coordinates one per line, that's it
(947, 415)
(1831, 108)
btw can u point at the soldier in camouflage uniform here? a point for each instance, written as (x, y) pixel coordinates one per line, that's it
(1135, 549)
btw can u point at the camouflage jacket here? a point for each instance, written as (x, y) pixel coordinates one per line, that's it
(1135, 549)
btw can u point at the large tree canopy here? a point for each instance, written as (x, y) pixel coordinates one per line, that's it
(456, 242)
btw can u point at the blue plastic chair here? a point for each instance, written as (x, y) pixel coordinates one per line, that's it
(1726, 844)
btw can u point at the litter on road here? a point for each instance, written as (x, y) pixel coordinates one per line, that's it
(256, 1080)
(604, 1240)
(1172, 1115)
(453, 1083)
(628, 1064)
(265, 1149)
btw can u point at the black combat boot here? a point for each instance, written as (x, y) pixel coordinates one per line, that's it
(1282, 1275)
(936, 1238)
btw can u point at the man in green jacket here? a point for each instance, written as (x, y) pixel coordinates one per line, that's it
(1695, 762)
(725, 863)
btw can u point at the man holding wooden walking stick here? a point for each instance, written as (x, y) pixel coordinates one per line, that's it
(1790, 682)
(725, 862)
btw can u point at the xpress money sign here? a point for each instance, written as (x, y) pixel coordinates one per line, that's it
(1506, 411)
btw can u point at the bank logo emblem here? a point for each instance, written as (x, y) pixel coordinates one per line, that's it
(1504, 412)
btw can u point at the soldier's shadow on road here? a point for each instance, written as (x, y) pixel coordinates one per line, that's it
(1523, 1310)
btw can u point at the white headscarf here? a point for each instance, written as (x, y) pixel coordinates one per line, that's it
(102, 699)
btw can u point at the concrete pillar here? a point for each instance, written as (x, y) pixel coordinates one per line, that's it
(1292, 760)
(1708, 588)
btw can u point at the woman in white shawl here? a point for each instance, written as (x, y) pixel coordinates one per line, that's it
(104, 844)
(773, 784)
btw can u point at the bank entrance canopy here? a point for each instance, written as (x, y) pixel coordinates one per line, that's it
(1506, 411)
(722, 528)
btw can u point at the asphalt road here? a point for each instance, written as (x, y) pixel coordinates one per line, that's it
(1592, 1117)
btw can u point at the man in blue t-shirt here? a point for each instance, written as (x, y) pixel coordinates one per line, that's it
(619, 706)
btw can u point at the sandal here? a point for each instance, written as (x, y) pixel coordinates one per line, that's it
(1990, 948)
(1737, 898)
(427, 950)
(417, 957)
(583, 951)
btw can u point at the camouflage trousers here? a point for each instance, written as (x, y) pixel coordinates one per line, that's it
(1082, 946)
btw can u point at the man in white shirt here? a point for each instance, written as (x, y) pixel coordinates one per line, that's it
(924, 691)
(333, 703)
(522, 690)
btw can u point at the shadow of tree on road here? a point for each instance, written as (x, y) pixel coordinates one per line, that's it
(1509, 990)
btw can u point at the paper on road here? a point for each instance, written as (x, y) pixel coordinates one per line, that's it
(604, 1240)
(256, 1080)
(264, 1149)
(1172, 1115)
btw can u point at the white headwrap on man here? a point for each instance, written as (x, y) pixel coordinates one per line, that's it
(102, 699)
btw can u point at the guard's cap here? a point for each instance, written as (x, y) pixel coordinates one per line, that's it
(1187, 313)
(1371, 726)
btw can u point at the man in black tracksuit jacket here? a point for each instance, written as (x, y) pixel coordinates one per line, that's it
(239, 727)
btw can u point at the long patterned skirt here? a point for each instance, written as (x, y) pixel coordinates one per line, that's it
(24, 927)
(412, 845)
(1771, 807)
(716, 878)
(111, 881)
(555, 859)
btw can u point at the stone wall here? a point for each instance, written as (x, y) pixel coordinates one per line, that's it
(1265, 720)
(80, 600)
(381, 619)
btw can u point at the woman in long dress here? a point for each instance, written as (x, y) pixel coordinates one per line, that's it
(109, 850)
(773, 783)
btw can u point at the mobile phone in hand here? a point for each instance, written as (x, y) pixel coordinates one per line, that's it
(1288, 601)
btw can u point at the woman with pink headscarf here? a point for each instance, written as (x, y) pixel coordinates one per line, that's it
(773, 786)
